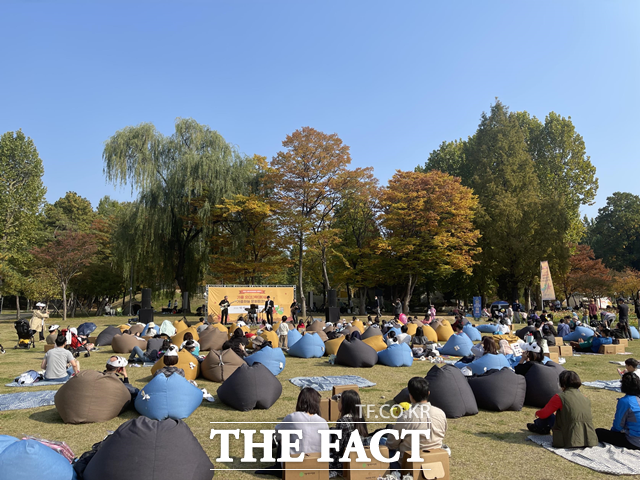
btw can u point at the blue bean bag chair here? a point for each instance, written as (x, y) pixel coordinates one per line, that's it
(155, 330)
(398, 355)
(634, 332)
(486, 328)
(458, 346)
(29, 459)
(485, 363)
(472, 332)
(168, 397)
(85, 329)
(293, 337)
(513, 360)
(578, 333)
(309, 346)
(5, 441)
(272, 358)
(394, 329)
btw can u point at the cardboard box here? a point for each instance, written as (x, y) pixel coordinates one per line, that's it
(554, 357)
(435, 465)
(48, 347)
(566, 351)
(334, 411)
(366, 471)
(341, 388)
(554, 350)
(92, 339)
(607, 349)
(559, 341)
(620, 348)
(308, 469)
(623, 341)
(324, 408)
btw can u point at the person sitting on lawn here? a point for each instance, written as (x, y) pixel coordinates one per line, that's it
(625, 431)
(567, 415)
(350, 420)
(563, 328)
(189, 336)
(56, 361)
(53, 334)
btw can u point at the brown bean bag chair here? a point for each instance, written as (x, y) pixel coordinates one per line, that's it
(212, 339)
(359, 325)
(178, 338)
(376, 342)
(220, 364)
(316, 326)
(186, 361)
(124, 343)
(328, 329)
(430, 333)
(331, 346)
(180, 325)
(371, 332)
(322, 335)
(91, 397)
(444, 331)
(270, 336)
(220, 327)
(136, 329)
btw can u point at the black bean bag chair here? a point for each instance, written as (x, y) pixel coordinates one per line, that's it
(523, 331)
(146, 448)
(371, 332)
(105, 337)
(356, 354)
(499, 390)
(450, 392)
(542, 383)
(250, 387)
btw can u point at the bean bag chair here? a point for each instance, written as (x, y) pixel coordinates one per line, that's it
(323, 336)
(542, 383)
(457, 345)
(359, 325)
(371, 332)
(430, 333)
(309, 346)
(634, 332)
(485, 363)
(411, 328)
(30, 459)
(91, 397)
(316, 326)
(250, 387)
(178, 338)
(376, 342)
(444, 331)
(212, 339)
(186, 361)
(394, 329)
(487, 328)
(398, 355)
(272, 358)
(180, 325)
(523, 331)
(106, 336)
(499, 390)
(86, 329)
(220, 365)
(150, 331)
(270, 336)
(356, 354)
(168, 397)
(137, 329)
(332, 346)
(5, 441)
(123, 328)
(220, 327)
(144, 448)
(579, 333)
(472, 332)
(124, 343)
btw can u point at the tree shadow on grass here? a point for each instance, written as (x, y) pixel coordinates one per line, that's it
(517, 437)
(47, 416)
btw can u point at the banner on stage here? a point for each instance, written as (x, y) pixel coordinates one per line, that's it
(242, 297)
(546, 284)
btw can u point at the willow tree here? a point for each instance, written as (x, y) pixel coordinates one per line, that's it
(165, 229)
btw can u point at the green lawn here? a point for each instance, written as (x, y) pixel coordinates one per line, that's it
(487, 445)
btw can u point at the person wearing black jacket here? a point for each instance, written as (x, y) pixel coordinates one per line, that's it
(268, 308)
(623, 317)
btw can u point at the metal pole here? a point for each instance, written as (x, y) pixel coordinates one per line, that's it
(130, 288)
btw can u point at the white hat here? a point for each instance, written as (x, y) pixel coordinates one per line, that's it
(241, 324)
(150, 325)
(328, 324)
(269, 327)
(40, 305)
(53, 328)
(172, 351)
(533, 347)
(118, 362)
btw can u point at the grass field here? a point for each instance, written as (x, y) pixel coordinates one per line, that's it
(487, 445)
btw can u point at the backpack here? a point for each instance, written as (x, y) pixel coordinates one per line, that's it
(27, 378)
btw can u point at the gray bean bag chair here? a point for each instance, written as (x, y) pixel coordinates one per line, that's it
(542, 383)
(219, 365)
(316, 326)
(212, 339)
(143, 448)
(250, 387)
(105, 337)
(499, 390)
(124, 343)
(356, 354)
(450, 392)
(137, 329)
(371, 332)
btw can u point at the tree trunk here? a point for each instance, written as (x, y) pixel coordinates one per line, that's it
(363, 300)
(17, 307)
(101, 305)
(28, 305)
(301, 292)
(411, 284)
(1, 302)
(72, 302)
(325, 274)
(64, 303)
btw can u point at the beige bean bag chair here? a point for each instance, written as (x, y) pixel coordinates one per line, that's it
(186, 361)
(124, 343)
(376, 342)
(322, 335)
(316, 326)
(220, 327)
(178, 338)
(444, 331)
(430, 333)
(91, 397)
(331, 346)
(136, 329)
(212, 339)
(219, 365)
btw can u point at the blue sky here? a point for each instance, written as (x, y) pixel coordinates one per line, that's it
(393, 79)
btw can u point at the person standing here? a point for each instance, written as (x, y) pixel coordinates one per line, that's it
(397, 309)
(593, 311)
(517, 308)
(224, 310)
(268, 308)
(38, 318)
(378, 306)
(623, 317)
(294, 311)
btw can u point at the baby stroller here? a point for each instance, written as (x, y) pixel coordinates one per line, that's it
(25, 334)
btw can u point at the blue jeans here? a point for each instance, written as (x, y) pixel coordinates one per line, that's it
(62, 379)
(137, 352)
(545, 422)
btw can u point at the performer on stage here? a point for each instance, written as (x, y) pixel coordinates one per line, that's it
(224, 310)
(268, 308)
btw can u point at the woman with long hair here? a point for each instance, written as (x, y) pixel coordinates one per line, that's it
(350, 420)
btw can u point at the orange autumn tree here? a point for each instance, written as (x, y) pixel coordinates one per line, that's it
(428, 222)
(586, 275)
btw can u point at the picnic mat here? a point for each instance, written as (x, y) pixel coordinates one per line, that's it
(604, 458)
(39, 383)
(23, 400)
(613, 385)
(322, 384)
